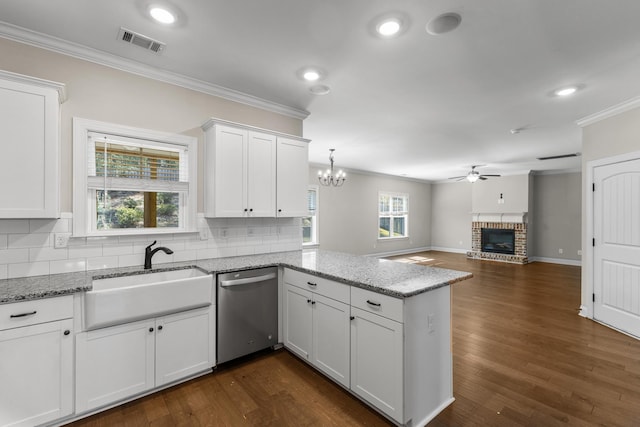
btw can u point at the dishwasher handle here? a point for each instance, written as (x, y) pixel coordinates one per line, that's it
(247, 280)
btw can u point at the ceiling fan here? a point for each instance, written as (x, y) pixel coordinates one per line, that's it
(473, 175)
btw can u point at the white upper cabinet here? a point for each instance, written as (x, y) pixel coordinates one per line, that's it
(292, 177)
(251, 172)
(29, 166)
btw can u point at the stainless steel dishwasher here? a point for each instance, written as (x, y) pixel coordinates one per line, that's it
(247, 312)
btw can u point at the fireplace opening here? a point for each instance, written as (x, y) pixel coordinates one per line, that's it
(498, 240)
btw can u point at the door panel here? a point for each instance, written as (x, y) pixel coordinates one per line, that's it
(616, 216)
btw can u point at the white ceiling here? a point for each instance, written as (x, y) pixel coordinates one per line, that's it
(423, 106)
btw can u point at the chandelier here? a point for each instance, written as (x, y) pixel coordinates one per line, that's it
(328, 178)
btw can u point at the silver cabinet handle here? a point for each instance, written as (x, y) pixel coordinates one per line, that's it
(246, 281)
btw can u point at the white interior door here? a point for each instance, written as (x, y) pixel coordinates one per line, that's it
(616, 219)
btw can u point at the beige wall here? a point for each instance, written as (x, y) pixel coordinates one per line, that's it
(451, 216)
(557, 216)
(514, 189)
(348, 215)
(101, 93)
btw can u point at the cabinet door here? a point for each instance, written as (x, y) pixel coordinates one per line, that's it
(331, 332)
(29, 165)
(36, 373)
(261, 175)
(297, 321)
(377, 362)
(114, 363)
(230, 172)
(292, 178)
(184, 345)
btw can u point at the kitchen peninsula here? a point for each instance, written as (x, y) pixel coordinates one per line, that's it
(396, 333)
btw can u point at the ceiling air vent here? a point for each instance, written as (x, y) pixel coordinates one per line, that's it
(138, 39)
(561, 156)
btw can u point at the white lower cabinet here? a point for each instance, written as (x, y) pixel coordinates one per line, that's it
(377, 361)
(316, 327)
(36, 361)
(122, 361)
(393, 353)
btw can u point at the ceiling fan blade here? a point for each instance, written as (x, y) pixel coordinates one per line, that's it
(458, 177)
(482, 177)
(484, 174)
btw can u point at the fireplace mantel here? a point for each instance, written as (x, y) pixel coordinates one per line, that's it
(500, 217)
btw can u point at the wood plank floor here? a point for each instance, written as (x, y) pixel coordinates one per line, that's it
(522, 357)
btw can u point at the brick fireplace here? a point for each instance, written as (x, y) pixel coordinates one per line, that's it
(515, 222)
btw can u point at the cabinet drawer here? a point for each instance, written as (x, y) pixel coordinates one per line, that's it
(318, 285)
(27, 313)
(384, 305)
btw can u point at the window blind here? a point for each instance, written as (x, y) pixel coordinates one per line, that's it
(119, 163)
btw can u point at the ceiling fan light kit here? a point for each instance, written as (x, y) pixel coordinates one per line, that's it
(474, 175)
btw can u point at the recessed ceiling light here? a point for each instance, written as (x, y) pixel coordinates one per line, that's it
(566, 91)
(388, 27)
(162, 15)
(443, 23)
(311, 75)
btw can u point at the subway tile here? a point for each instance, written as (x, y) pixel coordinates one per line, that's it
(186, 255)
(99, 263)
(28, 240)
(49, 226)
(12, 256)
(207, 253)
(28, 269)
(3, 271)
(47, 254)
(117, 249)
(3, 241)
(227, 252)
(11, 226)
(85, 251)
(130, 260)
(68, 266)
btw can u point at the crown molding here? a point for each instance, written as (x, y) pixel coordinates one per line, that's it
(54, 44)
(627, 105)
(19, 78)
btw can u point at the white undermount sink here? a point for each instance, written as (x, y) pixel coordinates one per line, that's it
(124, 299)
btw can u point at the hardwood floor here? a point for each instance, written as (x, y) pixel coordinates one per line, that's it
(522, 357)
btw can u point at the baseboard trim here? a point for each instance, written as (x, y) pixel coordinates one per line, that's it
(399, 252)
(451, 250)
(574, 262)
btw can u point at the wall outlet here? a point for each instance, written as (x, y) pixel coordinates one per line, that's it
(204, 234)
(430, 327)
(579, 252)
(61, 240)
(560, 251)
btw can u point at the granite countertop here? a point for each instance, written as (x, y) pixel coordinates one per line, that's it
(388, 277)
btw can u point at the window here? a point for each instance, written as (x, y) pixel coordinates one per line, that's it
(132, 181)
(310, 223)
(393, 213)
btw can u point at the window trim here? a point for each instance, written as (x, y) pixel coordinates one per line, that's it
(316, 241)
(82, 223)
(406, 226)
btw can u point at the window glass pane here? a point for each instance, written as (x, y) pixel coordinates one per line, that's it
(398, 227)
(307, 229)
(132, 209)
(384, 203)
(398, 204)
(385, 227)
(311, 201)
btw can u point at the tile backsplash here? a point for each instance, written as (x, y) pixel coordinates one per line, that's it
(27, 245)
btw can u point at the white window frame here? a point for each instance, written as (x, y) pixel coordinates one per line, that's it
(84, 223)
(314, 223)
(405, 215)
